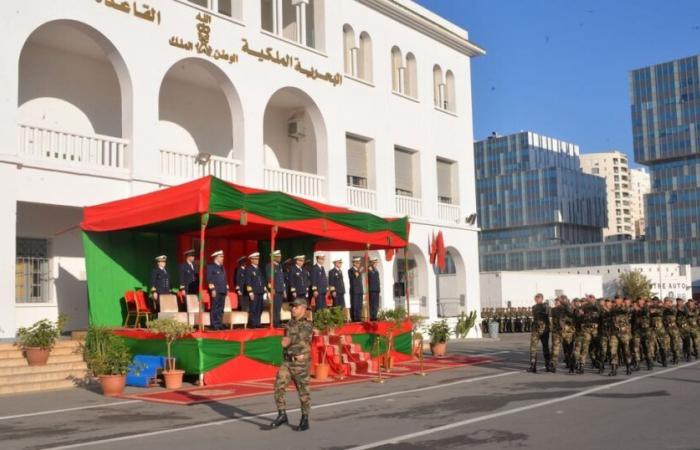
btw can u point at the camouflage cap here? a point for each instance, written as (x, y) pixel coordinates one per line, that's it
(299, 301)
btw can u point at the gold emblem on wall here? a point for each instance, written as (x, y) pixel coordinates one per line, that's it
(202, 46)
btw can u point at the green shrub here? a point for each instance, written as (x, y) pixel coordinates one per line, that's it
(439, 332)
(42, 334)
(105, 353)
(328, 318)
(172, 330)
(464, 324)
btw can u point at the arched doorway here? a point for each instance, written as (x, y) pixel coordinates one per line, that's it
(451, 285)
(74, 101)
(294, 137)
(415, 284)
(200, 127)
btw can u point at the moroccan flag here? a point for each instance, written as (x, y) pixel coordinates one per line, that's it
(440, 251)
(433, 249)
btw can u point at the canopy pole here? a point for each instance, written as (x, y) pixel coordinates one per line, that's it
(406, 289)
(202, 234)
(365, 305)
(273, 236)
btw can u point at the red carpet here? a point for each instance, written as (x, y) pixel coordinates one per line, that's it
(194, 395)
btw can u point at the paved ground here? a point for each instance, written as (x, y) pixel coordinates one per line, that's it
(496, 406)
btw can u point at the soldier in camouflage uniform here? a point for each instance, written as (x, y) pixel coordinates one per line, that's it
(562, 333)
(580, 335)
(694, 331)
(683, 324)
(642, 334)
(295, 367)
(669, 315)
(604, 333)
(540, 332)
(661, 344)
(620, 336)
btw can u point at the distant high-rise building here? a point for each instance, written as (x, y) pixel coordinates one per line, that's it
(531, 193)
(640, 185)
(613, 167)
(666, 131)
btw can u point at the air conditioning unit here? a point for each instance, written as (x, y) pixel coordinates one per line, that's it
(295, 127)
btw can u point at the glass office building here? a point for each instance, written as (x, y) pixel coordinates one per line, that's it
(531, 193)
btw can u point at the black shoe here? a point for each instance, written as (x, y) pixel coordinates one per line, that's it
(601, 368)
(532, 368)
(579, 368)
(674, 361)
(628, 369)
(635, 366)
(650, 365)
(552, 368)
(663, 362)
(280, 420)
(613, 371)
(303, 424)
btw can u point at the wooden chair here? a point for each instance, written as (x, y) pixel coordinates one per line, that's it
(193, 312)
(142, 308)
(131, 311)
(232, 317)
(168, 309)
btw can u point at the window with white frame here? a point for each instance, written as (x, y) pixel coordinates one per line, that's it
(357, 157)
(365, 58)
(230, 8)
(446, 181)
(32, 274)
(300, 21)
(405, 172)
(444, 89)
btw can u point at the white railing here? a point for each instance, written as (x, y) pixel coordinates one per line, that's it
(408, 206)
(362, 198)
(87, 150)
(449, 213)
(185, 166)
(296, 183)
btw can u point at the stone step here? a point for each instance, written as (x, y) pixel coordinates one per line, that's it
(76, 375)
(19, 388)
(14, 352)
(22, 371)
(53, 359)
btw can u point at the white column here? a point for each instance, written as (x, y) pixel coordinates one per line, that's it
(354, 71)
(300, 6)
(8, 236)
(441, 96)
(277, 17)
(402, 80)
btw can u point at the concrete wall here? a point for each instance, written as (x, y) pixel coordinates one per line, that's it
(498, 288)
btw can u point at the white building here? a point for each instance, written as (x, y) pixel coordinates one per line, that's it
(614, 168)
(517, 289)
(361, 103)
(667, 280)
(640, 185)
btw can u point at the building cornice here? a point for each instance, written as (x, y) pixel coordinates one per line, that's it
(425, 25)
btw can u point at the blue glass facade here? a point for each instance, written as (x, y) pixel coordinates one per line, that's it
(532, 193)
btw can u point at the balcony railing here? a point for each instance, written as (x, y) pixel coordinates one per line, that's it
(449, 213)
(183, 166)
(408, 206)
(86, 150)
(362, 198)
(296, 183)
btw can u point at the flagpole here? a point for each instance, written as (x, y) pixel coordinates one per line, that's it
(273, 235)
(406, 290)
(365, 305)
(202, 234)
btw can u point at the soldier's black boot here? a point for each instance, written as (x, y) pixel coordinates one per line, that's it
(548, 366)
(674, 361)
(663, 361)
(303, 423)
(579, 368)
(613, 371)
(280, 420)
(635, 365)
(650, 365)
(628, 369)
(601, 368)
(551, 367)
(532, 368)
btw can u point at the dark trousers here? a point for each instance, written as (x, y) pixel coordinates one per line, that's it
(217, 310)
(373, 305)
(356, 307)
(244, 302)
(256, 306)
(321, 301)
(277, 310)
(339, 299)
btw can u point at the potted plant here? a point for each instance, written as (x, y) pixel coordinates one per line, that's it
(439, 334)
(108, 358)
(416, 323)
(464, 324)
(396, 317)
(326, 321)
(171, 330)
(38, 340)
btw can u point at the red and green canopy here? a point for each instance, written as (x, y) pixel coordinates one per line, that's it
(122, 237)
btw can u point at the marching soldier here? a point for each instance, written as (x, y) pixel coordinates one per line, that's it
(590, 322)
(295, 367)
(298, 279)
(189, 276)
(319, 282)
(160, 282)
(356, 289)
(274, 272)
(239, 284)
(669, 315)
(562, 333)
(659, 338)
(641, 334)
(540, 332)
(336, 283)
(374, 288)
(620, 335)
(218, 289)
(692, 312)
(604, 333)
(255, 289)
(683, 327)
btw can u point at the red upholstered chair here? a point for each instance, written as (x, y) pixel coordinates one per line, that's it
(142, 308)
(131, 311)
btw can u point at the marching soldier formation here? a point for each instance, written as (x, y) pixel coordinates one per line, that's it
(510, 320)
(292, 279)
(613, 333)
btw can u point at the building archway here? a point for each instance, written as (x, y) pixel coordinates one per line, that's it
(451, 285)
(72, 79)
(417, 287)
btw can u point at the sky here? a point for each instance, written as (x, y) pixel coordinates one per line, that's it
(560, 67)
